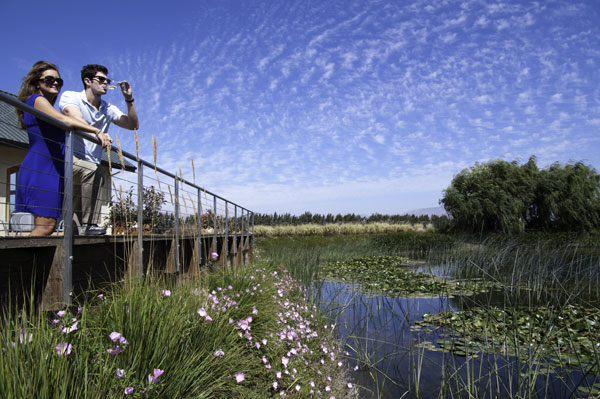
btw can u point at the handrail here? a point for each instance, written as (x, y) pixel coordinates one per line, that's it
(246, 220)
(38, 114)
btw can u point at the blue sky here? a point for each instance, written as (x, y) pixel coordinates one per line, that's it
(332, 106)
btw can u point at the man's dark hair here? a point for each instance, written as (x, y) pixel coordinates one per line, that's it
(89, 71)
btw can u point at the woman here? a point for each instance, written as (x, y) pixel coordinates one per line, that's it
(40, 181)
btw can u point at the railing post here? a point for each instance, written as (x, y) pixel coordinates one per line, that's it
(176, 243)
(243, 243)
(140, 223)
(251, 240)
(235, 234)
(214, 224)
(226, 238)
(68, 218)
(199, 226)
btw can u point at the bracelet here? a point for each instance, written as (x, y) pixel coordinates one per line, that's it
(129, 101)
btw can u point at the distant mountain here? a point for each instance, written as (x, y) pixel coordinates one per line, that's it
(436, 210)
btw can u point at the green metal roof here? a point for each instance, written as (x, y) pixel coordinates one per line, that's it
(10, 132)
(11, 135)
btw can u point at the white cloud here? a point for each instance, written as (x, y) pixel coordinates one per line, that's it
(482, 21)
(502, 24)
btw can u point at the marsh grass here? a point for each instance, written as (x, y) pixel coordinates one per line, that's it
(532, 334)
(201, 333)
(340, 228)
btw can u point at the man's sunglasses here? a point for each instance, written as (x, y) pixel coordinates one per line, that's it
(50, 80)
(102, 79)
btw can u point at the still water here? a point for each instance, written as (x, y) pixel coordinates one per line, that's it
(387, 361)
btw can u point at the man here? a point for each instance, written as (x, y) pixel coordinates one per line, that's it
(89, 194)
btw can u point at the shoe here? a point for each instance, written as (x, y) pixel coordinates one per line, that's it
(91, 230)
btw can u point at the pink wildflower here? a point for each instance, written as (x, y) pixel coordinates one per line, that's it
(114, 351)
(219, 353)
(128, 390)
(70, 329)
(202, 313)
(239, 377)
(63, 349)
(152, 378)
(23, 337)
(115, 336)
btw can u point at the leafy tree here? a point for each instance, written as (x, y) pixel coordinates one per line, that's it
(567, 198)
(506, 197)
(123, 210)
(152, 200)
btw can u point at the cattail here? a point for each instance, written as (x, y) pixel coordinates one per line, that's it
(193, 171)
(170, 194)
(154, 150)
(108, 155)
(184, 203)
(137, 144)
(193, 204)
(158, 181)
(120, 153)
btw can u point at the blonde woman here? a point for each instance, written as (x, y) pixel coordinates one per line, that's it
(40, 181)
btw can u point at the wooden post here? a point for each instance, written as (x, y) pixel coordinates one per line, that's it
(53, 295)
(67, 247)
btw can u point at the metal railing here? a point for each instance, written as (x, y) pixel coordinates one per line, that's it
(190, 210)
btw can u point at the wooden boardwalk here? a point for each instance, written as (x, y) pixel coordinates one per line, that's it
(36, 265)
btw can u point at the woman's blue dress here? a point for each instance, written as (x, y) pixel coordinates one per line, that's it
(40, 181)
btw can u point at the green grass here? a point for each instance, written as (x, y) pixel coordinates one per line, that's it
(168, 333)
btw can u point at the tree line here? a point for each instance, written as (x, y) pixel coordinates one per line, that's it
(287, 219)
(501, 196)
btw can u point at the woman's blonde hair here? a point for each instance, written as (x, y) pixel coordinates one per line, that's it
(31, 86)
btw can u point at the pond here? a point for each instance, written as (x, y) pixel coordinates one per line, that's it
(394, 351)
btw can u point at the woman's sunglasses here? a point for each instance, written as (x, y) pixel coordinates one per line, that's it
(50, 80)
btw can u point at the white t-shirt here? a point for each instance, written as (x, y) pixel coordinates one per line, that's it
(101, 119)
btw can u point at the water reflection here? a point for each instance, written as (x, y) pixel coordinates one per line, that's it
(389, 362)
